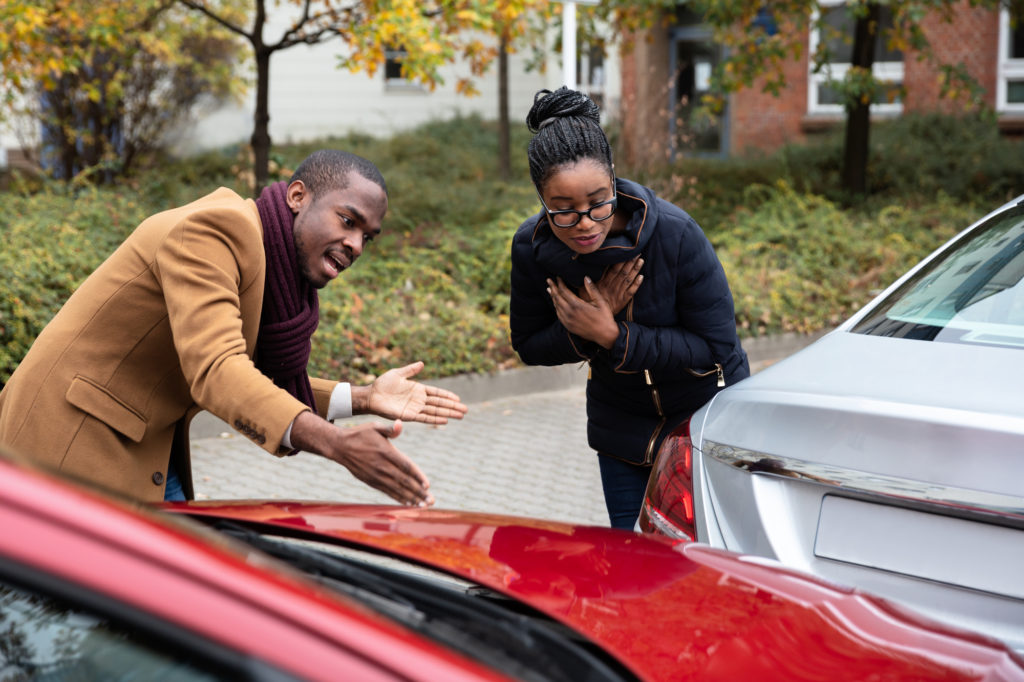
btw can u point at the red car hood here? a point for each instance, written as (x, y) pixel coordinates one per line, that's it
(667, 611)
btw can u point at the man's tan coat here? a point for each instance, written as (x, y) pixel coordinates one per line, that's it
(163, 328)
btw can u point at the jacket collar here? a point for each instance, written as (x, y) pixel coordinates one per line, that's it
(561, 261)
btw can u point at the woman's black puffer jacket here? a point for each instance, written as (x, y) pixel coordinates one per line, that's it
(677, 343)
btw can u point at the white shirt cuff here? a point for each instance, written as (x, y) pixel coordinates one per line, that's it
(340, 407)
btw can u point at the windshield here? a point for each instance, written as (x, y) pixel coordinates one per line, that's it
(972, 293)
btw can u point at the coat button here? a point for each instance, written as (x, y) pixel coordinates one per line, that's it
(158, 478)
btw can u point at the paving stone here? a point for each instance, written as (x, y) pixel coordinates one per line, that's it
(520, 455)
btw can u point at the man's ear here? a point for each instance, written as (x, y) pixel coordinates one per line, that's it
(296, 195)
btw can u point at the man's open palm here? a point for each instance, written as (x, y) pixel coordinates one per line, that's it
(394, 395)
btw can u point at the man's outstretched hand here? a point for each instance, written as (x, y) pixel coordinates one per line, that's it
(367, 451)
(394, 395)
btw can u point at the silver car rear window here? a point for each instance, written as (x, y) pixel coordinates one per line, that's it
(970, 293)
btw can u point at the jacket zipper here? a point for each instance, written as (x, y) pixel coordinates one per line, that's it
(654, 392)
(649, 453)
(656, 397)
(649, 380)
(718, 371)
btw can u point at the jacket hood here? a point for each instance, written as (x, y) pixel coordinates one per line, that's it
(557, 258)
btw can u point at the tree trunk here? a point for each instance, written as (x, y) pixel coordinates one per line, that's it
(858, 112)
(504, 154)
(59, 117)
(260, 140)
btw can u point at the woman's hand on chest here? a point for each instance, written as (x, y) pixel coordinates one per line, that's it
(588, 315)
(619, 284)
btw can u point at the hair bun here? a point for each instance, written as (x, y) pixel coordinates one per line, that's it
(561, 103)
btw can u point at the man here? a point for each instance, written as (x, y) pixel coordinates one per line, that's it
(212, 306)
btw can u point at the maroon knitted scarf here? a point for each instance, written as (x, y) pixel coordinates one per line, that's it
(291, 308)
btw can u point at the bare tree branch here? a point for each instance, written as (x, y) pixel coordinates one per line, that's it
(326, 25)
(201, 7)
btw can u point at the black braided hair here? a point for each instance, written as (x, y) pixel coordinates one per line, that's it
(327, 169)
(567, 128)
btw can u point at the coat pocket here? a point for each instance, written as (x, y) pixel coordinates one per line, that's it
(100, 403)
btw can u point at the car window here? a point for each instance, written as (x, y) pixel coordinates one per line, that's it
(42, 638)
(971, 293)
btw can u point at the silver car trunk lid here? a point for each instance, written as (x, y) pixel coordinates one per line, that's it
(944, 413)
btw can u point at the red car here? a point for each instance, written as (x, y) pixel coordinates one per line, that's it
(97, 589)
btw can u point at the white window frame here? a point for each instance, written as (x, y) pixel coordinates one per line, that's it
(1007, 69)
(892, 72)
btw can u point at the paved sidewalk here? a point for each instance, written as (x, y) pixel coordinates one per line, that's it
(523, 455)
(521, 450)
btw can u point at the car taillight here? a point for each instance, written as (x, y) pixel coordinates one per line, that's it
(668, 503)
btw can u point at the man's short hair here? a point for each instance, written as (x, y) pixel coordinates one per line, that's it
(328, 169)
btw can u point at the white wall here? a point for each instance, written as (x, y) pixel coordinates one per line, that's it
(14, 134)
(310, 98)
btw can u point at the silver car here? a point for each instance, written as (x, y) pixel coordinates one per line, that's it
(889, 454)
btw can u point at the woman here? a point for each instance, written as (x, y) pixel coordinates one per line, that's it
(609, 274)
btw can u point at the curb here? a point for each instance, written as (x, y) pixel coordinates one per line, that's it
(477, 388)
(473, 388)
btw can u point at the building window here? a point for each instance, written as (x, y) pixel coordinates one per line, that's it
(887, 68)
(393, 78)
(1010, 84)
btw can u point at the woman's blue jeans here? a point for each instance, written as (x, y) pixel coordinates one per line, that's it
(624, 487)
(173, 491)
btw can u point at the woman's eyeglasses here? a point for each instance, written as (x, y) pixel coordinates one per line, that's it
(571, 217)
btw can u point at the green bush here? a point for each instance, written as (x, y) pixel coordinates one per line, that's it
(52, 240)
(434, 287)
(916, 156)
(797, 262)
(444, 302)
(964, 157)
(711, 189)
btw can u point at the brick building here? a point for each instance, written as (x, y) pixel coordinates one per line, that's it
(664, 76)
